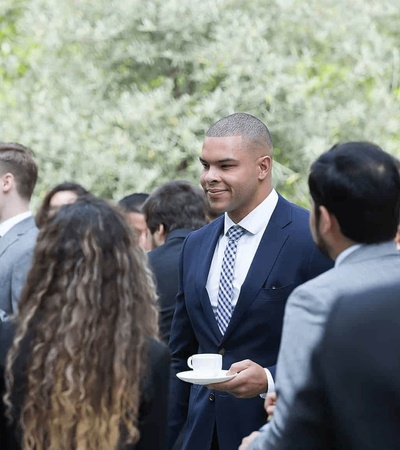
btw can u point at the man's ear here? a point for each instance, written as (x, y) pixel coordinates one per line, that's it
(161, 230)
(325, 220)
(160, 235)
(397, 238)
(7, 180)
(265, 165)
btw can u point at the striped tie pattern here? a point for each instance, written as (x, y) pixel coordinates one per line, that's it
(224, 307)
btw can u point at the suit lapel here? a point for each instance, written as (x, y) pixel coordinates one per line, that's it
(9, 238)
(264, 260)
(12, 235)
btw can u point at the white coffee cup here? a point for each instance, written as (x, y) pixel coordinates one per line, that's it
(209, 363)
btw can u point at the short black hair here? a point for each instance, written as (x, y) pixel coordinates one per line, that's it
(133, 202)
(176, 204)
(359, 184)
(252, 130)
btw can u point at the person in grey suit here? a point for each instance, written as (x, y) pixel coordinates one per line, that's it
(354, 374)
(355, 190)
(18, 175)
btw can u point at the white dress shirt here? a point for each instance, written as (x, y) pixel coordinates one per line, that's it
(255, 224)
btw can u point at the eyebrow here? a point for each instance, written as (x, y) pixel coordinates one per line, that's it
(220, 161)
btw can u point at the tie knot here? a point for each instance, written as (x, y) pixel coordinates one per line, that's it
(235, 233)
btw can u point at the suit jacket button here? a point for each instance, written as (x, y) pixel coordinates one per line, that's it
(211, 397)
(221, 351)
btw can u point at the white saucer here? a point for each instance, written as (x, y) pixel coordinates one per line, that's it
(191, 376)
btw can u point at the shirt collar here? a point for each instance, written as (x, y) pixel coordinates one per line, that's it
(257, 219)
(9, 223)
(345, 253)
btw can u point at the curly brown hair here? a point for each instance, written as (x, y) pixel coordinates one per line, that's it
(87, 310)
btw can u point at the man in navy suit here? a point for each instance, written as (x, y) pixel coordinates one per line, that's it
(275, 254)
(18, 232)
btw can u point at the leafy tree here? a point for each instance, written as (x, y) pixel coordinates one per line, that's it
(118, 95)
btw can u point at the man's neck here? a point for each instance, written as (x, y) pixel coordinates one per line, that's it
(340, 246)
(12, 210)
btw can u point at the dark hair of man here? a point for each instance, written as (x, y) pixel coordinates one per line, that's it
(18, 160)
(253, 131)
(133, 202)
(176, 204)
(43, 211)
(359, 184)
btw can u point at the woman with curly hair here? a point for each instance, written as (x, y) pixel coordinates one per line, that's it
(85, 370)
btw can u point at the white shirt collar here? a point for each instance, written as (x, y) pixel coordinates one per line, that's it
(345, 253)
(257, 219)
(9, 223)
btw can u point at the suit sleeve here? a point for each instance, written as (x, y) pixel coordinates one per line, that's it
(18, 278)
(183, 343)
(304, 322)
(307, 426)
(153, 417)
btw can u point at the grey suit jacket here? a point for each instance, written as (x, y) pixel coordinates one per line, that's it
(365, 269)
(16, 251)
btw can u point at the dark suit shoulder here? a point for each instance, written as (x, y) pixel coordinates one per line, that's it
(158, 351)
(154, 404)
(208, 229)
(7, 330)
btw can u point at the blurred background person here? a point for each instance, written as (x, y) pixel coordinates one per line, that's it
(18, 176)
(132, 205)
(62, 194)
(172, 211)
(85, 370)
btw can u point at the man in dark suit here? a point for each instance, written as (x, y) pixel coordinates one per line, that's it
(352, 398)
(275, 253)
(18, 232)
(172, 211)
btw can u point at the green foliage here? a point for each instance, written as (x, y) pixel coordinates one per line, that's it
(118, 95)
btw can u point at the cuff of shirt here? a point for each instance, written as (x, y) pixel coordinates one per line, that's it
(271, 383)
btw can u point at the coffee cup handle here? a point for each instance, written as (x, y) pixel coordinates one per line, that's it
(189, 362)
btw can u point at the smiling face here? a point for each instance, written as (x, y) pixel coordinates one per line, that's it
(235, 179)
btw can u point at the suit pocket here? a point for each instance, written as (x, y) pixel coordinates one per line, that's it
(276, 294)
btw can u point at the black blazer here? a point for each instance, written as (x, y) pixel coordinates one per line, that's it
(352, 398)
(164, 262)
(153, 407)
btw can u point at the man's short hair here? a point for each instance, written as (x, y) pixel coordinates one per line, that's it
(359, 184)
(176, 204)
(18, 160)
(133, 202)
(252, 130)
